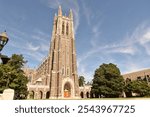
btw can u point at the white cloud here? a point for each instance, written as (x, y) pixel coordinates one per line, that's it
(38, 56)
(108, 49)
(40, 35)
(124, 50)
(96, 36)
(31, 47)
(44, 47)
(34, 46)
(141, 37)
(87, 12)
(147, 48)
(130, 46)
(96, 30)
(146, 38)
(43, 40)
(145, 41)
(82, 68)
(133, 67)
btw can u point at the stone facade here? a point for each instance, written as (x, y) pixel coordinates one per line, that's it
(56, 77)
(138, 75)
(85, 91)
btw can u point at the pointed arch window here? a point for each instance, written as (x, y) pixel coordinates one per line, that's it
(55, 27)
(63, 73)
(68, 71)
(67, 29)
(63, 28)
(46, 81)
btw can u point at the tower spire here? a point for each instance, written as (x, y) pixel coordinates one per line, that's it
(59, 11)
(70, 14)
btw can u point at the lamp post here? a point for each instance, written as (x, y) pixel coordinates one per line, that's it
(3, 41)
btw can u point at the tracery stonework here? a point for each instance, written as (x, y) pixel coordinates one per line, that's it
(57, 77)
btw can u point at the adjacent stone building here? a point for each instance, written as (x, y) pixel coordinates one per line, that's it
(138, 75)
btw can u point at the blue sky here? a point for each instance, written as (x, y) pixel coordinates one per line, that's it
(116, 31)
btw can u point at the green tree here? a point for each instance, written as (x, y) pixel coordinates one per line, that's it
(12, 76)
(81, 80)
(89, 83)
(108, 81)
(137, 86)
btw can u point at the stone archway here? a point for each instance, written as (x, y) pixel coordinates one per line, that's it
(47, 95)
(40, 95)
(67, 90)
(31, 95)
(87, 94)
(82, 95)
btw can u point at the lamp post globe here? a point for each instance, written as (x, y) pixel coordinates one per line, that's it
(3, 40)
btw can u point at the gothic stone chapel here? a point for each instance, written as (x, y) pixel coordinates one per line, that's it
(56, 77)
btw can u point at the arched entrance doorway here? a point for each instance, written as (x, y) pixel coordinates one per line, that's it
(67, 90)
(47, 95)
(40, 94)
(82, 95)
(87, 95)
(31, 94)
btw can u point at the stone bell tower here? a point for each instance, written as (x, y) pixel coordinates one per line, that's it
(62, 58)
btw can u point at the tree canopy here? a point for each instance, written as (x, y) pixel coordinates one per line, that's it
(12, 76)
(140, 87)
(81, 80)
(108, 81)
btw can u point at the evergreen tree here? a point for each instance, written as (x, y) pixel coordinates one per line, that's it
(81, 80)
(140, 87)
(12, 76)
(107, 81)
